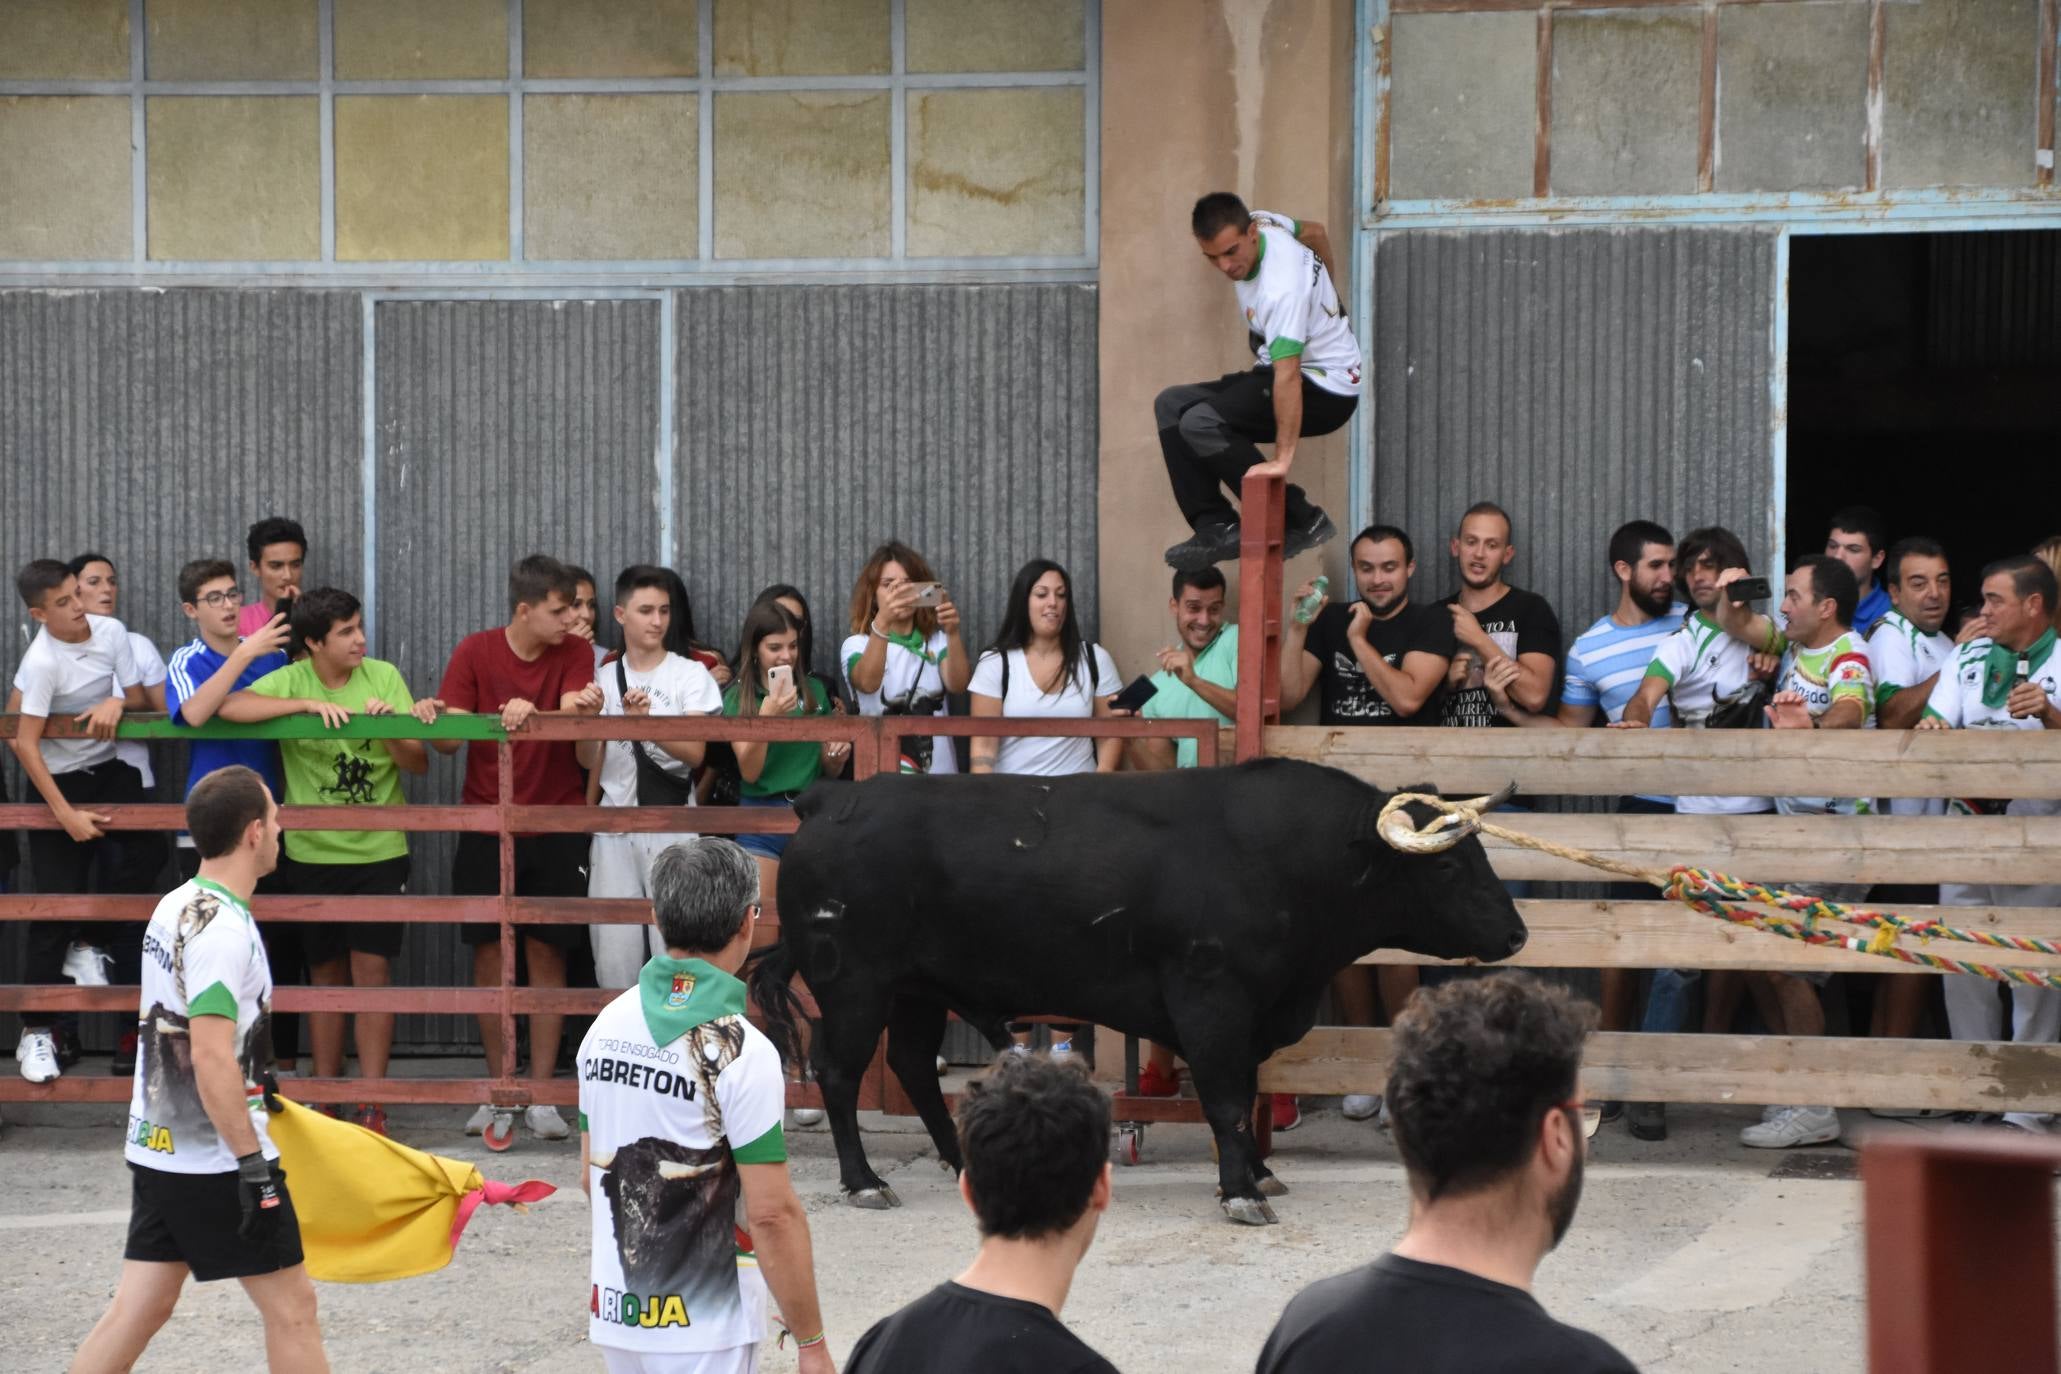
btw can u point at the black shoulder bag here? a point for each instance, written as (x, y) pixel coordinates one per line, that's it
(655, 786)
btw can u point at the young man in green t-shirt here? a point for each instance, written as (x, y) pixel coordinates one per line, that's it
(1197, 677)
(335, 680)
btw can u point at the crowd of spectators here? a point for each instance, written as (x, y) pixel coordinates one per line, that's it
(1857, 637)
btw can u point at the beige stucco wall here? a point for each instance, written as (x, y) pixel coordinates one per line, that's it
(1253, 96)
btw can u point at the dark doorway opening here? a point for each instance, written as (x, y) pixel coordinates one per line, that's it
(1925, 380)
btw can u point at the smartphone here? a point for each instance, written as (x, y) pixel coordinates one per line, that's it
(1134, 697)
(780, 679)
(1748, 589)
(928, 594)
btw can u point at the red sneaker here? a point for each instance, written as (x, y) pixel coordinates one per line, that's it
(1286, 1110)
(1153, 1083)
(371, 1117)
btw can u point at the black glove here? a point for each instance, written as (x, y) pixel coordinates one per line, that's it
(268, 1084)
(260, 1190)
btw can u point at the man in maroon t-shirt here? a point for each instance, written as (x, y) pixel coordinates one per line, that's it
(532, 664)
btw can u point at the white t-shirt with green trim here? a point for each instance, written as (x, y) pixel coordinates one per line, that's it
(912, 683)
(1984, 668)
(1824, 677)
(1903, 656)
(672, 1268)
(1704, 668)
(201, 957)
(1290, 303)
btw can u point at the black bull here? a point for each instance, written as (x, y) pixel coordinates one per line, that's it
(1206, 909)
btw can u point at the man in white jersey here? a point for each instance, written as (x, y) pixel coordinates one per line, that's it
(1706, 677)
(2006, 678)
(1906, 649)
(645, 680)
(680, 1114)
(1825, 684)
(208, 1197)
(1305, 379)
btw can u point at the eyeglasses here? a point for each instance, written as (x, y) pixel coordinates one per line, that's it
(229, 598)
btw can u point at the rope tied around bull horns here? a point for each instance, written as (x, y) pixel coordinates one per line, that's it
(1792, 915)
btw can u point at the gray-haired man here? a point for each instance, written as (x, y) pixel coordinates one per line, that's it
(681, 1101)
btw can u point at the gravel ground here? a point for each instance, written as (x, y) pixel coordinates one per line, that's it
(1691, 1255)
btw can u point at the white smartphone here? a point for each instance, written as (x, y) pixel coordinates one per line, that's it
(780, 679)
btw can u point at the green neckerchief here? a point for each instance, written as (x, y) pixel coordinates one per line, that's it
(1259, 257)
(2000, 667)
(916, 644)
(679, 994)
(211, 885)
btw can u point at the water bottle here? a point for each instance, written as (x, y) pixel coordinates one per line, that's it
(1306, 607)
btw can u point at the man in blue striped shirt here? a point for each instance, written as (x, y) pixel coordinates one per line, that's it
(1604, 669)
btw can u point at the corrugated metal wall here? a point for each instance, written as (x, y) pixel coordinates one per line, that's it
(504, 428)
(1578, 378)
(158, 425)
(815, 422)
(1993, 300)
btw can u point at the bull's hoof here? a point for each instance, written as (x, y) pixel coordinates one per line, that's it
(874, 1199)
(1270, 1186)
(1250, 1211)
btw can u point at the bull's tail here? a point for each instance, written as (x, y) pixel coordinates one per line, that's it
(779, 1008)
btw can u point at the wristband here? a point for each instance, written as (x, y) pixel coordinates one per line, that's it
(873, 628)
(816, 1339)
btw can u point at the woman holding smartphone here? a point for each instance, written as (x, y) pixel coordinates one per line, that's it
(771, 683)
(905, 652)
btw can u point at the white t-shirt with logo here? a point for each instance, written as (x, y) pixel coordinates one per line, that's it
(1290, 303)
(201, 957)
(1704, 668)
(911, 684)
(678, 687)
(59, 680)
(672, 1270)
(1902, 656)
(1957, 696)
(1049, 756)
(150, 666)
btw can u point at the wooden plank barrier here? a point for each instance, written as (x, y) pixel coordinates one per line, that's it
(1651, 933)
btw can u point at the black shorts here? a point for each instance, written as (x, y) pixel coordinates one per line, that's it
(545, 866)
(323, 941)
(191, 1219)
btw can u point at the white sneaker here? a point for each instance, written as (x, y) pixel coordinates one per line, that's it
(481, 1118)
(1360, 1106)
(942, 1066)
(545, 1123)
(1019, 1049)
(1793, 1126)
(35, 1054)
(1062, 1050)
(87, 965)
(807, 1116)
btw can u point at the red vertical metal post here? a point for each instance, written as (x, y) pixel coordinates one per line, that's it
(504, 758)
(1960, 1252)
(1262, 511)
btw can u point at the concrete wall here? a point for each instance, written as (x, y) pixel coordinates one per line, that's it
(1253, 96)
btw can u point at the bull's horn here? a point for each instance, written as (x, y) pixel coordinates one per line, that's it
(668, 1169)
(1493, 800)
(602, 1161)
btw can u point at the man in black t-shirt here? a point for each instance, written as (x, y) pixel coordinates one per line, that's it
(1035, 1135)
(1486, 1110)
(1492, 620)
(1376, 660)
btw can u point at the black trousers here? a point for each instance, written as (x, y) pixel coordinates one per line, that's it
(1209, 433)
(120, 861)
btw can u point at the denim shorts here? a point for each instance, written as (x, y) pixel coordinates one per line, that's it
(763, 845)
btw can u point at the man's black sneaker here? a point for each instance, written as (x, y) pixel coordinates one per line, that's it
(1301, 539)
(1646, 1120)
(1211, 545)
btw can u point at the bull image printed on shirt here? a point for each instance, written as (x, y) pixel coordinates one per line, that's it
(672, 1208)
(200, 957)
